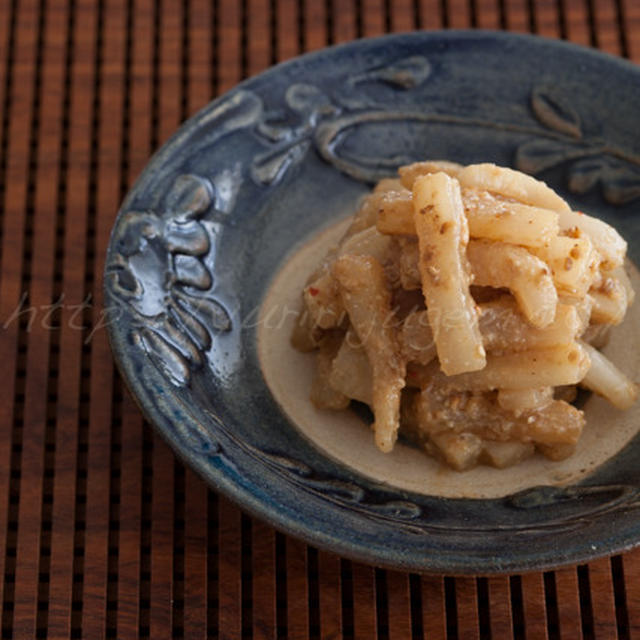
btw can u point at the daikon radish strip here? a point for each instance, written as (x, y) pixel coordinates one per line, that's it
(368, 302)
(442, 238)
(497, 264)
(395, 214)
(496, 218)
(417, 338)
(609, 302)
(573, 263)
(620, 274)
(487, 216)
(504, 328)
(518, 401)
(607, 380)
(512, 184)
(350, 370)
(410, 172)
(369, 242)
(323, 394)
(609, 243)
(526, 369)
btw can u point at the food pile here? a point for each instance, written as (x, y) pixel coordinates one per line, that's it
(464, 305)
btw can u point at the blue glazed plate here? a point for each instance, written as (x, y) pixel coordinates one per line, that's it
(221, 206)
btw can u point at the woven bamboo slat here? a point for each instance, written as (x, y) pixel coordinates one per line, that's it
(103, 533)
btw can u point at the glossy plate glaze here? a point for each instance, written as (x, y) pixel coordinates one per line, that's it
(256, 174)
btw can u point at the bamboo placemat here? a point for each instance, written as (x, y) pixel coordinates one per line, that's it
(103, 533)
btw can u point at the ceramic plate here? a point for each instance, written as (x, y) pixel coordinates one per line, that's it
(208, 242)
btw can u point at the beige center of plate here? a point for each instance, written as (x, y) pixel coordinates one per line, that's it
(343, 436)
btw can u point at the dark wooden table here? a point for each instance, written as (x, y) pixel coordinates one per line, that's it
(103, 533)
